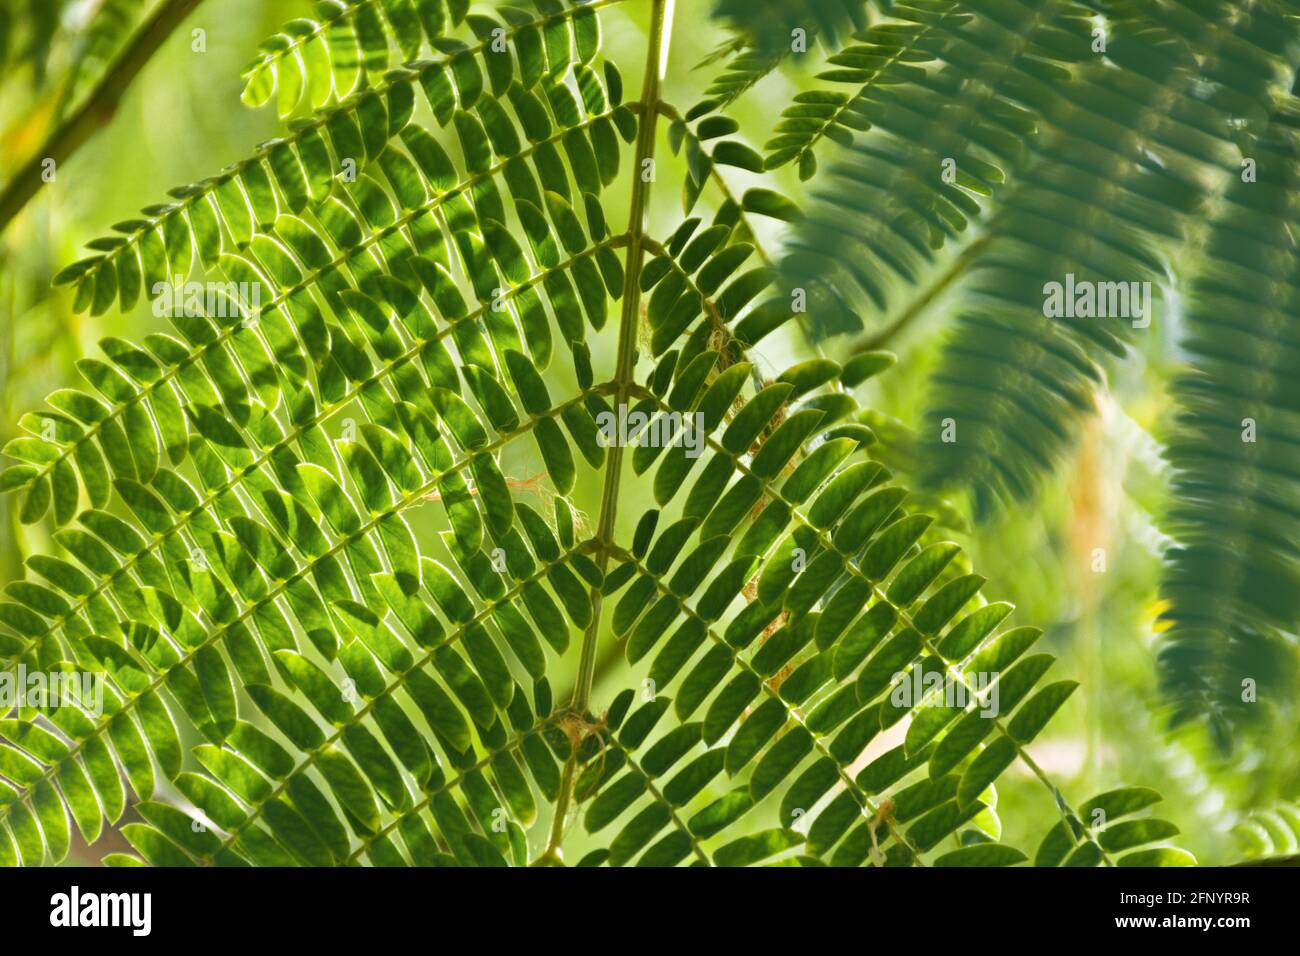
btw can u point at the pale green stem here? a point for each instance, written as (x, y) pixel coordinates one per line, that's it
(661, 16)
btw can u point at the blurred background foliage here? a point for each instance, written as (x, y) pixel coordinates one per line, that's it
(1082, 559)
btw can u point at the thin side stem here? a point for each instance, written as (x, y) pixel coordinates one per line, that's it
(98, 108)
(882, 337)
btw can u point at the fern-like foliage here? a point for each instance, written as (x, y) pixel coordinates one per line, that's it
(768, 36)
(941, 136)
(289, 525)
(1233, 580)
(1132, 156)
(1139, 123)
(886, 54)
(1124, 146)
(347, 48)
(1110, 834)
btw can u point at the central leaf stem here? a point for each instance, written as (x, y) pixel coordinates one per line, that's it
(643, 172)
(625, 362)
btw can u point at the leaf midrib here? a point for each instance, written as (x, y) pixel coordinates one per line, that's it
(625, 361)
(657, 46)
